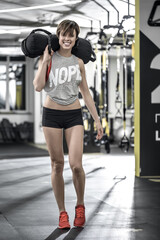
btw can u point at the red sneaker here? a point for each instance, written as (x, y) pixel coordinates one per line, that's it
(64, 220)
(79, 216)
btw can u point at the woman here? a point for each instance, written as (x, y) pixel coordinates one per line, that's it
(62, 109)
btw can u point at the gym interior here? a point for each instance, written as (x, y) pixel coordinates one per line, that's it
(122, 193)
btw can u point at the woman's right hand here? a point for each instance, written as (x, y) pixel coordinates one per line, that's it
(40, 76)
(46, 56)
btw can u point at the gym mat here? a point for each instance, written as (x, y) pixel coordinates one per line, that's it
(20, 150)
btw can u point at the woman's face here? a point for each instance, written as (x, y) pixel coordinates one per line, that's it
(67, 41)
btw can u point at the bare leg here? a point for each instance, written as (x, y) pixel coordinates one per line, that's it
(74, 139)
(54, 140)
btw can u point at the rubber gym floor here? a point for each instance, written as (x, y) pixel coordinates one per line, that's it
(119, 206)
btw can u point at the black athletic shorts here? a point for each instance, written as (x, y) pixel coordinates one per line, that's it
(61, 118)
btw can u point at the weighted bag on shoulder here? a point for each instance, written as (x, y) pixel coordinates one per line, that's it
(34, 45)
(83, 50)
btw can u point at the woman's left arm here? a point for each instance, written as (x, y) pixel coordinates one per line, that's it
(89, 100)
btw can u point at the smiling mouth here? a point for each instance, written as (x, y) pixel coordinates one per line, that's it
(67, 44)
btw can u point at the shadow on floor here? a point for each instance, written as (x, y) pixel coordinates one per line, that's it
(73, 233)
(20, 150)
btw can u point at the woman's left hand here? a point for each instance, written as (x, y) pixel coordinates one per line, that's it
(99, 130)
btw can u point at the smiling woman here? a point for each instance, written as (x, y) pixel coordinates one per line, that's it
(62, 110)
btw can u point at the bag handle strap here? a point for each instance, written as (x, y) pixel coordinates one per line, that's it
(41, 30)
(49, 44)
(48, 70)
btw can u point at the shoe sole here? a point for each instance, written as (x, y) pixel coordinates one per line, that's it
(67, 227)
(79, 225)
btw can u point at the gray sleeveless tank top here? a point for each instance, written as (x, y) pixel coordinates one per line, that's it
(64, 79)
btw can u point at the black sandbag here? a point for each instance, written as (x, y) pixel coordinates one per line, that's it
(34, 44)
(83, 50)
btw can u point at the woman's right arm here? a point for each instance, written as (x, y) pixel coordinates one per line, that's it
(40, 77)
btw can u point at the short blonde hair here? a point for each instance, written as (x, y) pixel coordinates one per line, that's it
(68, 26)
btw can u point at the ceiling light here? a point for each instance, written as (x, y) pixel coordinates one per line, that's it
(27, 30)
(10, 32)
(2, 31)
(48, 28)
(40, 6)
(129, 24)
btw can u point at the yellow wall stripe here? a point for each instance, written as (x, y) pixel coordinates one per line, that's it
(137, 90)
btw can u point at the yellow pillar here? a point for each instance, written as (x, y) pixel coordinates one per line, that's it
(137, 90)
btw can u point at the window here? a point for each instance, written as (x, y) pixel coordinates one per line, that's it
(13, 84)
(3, 86)
(17, 86)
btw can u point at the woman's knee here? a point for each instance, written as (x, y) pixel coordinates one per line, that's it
(57, 166)
(77, 169)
